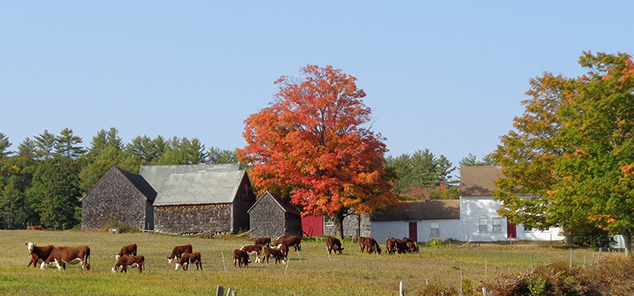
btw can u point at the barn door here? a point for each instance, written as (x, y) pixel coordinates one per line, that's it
(413, 231)
(511, 230)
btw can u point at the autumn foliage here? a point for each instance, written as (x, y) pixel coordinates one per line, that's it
(310, 146)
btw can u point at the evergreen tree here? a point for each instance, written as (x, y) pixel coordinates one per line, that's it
(66, 144)
(45, 143)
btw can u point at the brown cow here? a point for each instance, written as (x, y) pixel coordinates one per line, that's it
(395, 245)
(189, 258)
(255, 250)
(413, 247)
(129, 261)
(263, 241)
(290, 241)
(71, 255)
(333, 243)
(277, 254)
(240, 257)
(370, 244)
(35, 227)
(177, 252)
(38, 253)
(129, 250)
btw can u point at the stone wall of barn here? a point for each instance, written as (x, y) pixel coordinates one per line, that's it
(353, 226)
(113, 198)
(244, 200)
(193, 219)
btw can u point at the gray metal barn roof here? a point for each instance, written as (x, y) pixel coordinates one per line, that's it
(157, 174)
(207, 187)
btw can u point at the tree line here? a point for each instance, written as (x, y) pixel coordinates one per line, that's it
(42, 181)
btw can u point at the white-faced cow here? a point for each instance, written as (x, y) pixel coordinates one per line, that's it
(370, 244)
(71, 255)
(129, 250)
(254, 250)
(188, 259)
(240, 258)
(333, 243)
(129, 261)
(270, 252)
(177, 252)
(265, 241)
(38, 253)
(290, 241)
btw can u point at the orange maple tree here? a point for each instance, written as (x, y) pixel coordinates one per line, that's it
(310, 147)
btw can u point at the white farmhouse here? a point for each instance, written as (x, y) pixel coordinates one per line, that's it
(478, 211)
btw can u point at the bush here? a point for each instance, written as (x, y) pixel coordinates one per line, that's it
(613, 275)
(125, 227)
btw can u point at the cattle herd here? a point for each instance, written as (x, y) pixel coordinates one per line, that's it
(262, 250)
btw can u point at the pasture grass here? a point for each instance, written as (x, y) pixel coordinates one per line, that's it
(309, 272)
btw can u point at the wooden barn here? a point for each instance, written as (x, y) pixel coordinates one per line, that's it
(200, 199)
(120, 196)
(272, 216)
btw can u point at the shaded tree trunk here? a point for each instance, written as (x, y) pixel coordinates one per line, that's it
(337, 220)
(627, 240)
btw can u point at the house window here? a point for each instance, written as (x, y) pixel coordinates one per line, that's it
(482, 225)
(497, 225)
(528, 228)
(328, 221)
(435, 230)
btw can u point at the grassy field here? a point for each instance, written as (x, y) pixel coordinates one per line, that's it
(309, 272)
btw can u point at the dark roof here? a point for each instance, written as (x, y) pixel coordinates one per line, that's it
(437, 209)
(283, 204)
(478, 180)
(140, 183)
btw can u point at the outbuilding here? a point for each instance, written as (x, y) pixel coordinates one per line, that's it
(272, 216)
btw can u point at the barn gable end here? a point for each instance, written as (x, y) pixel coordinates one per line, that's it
(272, 216)
(120, 196)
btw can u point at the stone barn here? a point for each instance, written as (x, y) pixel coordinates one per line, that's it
(119, 196)
(201, 199)
(272, 216)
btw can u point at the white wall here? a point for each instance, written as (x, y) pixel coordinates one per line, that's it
(382, 230)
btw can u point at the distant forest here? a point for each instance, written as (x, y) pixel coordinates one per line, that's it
(42, 181)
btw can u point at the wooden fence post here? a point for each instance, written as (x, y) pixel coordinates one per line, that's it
(570, 258)
(220, 290)
(223, 261)
(461, 281)
(400, 289)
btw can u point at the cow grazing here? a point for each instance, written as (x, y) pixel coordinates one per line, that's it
(282, 248)
(177, 252)
(254, 250)
(240, 258)
(275, 253)
(413, 247)
(38, 253)
(35, 227)
(370, 244)
(129, 250)
(333, 243)
(71, 255)
(265, 241)
(290, 241)
(129, 261)
(395, 245)
(188, 259)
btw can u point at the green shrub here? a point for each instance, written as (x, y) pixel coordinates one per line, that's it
(436, 242)
(125, 227)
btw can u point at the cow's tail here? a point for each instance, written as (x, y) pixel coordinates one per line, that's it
(87, 260)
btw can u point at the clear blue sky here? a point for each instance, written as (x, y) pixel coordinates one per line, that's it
(447, 76)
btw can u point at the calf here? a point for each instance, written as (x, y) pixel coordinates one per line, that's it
(177, 252)
(129, 250)
(370, 244)
(240, 258)
(254, 250)
(413, 247)
(71, 255)
(129, 261)
(277, 254)
(189, 258)
(35, 227)
(263, 241)
(38, 253)
(333, 243)
(290, 241)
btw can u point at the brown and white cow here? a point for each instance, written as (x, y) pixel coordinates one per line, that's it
(275, 253)
(71, 255)
(370, 244)
(254, 250)
(240, 258)
(395, 245)
(38, 253)
(35, 227)
(333, 243)
(290, 241)
(188, 259)
(265, 241)
(413, 247)
(129, 250)
(129, 261)
(178, 251)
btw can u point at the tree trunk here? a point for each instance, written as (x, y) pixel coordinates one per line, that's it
(570, 239)
(627, 240)
(337, 220)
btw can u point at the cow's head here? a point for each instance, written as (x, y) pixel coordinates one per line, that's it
(30, 246)
(116, 257)
(115, 269)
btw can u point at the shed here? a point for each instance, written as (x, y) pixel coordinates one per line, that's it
(200, 199)
(272, 216)
(119, 196)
